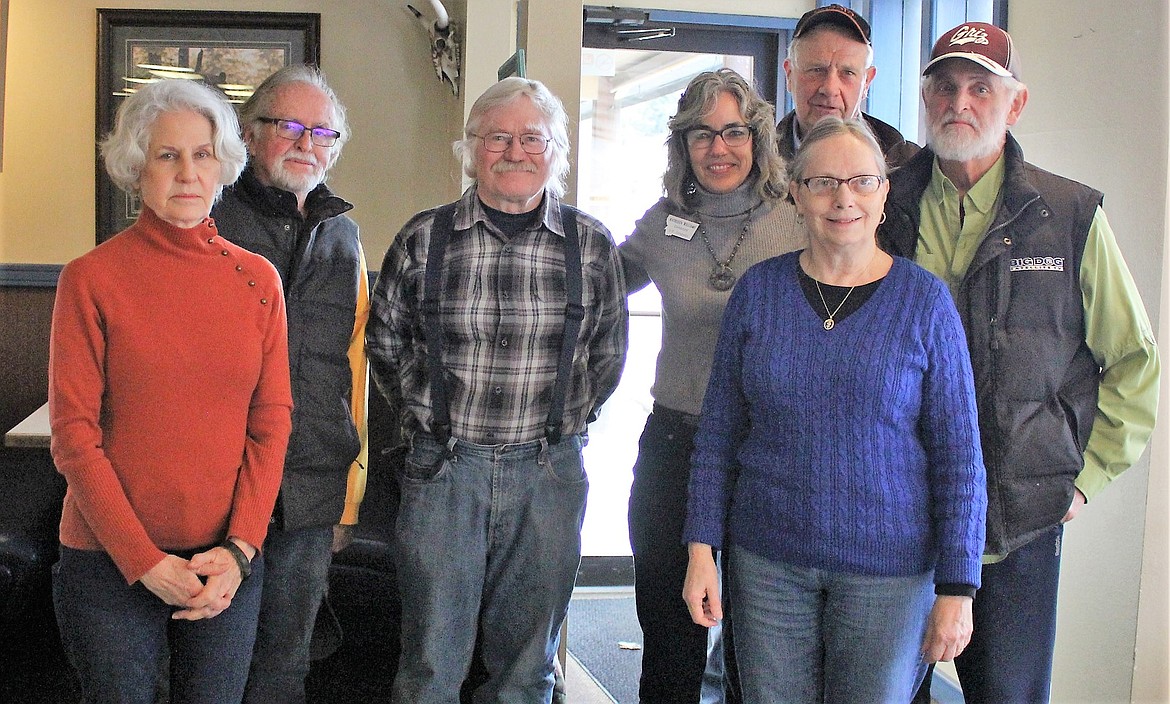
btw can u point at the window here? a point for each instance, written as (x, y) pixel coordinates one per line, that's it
(903, 33)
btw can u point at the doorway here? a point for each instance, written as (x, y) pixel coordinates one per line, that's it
(635, 66)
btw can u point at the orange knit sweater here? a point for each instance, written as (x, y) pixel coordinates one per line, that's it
(169, 395)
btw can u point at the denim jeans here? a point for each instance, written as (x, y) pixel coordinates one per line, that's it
(674, 648)
(809, 635)
(119, 637)
(489, 542)
(721, 677)
(712, 690)
(298, 571)
(1009, 659)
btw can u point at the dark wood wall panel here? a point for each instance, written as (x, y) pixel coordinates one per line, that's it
(25, 316)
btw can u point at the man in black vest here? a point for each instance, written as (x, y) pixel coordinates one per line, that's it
(280, 207)
(498, 323)
(828, 72)
(1066, 371)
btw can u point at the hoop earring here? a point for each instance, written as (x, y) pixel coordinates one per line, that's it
(883, 218)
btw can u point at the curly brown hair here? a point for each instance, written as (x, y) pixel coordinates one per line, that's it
(698, 101)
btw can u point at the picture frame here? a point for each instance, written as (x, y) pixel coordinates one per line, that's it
(228, 50)
(3, 70)
(514, 66)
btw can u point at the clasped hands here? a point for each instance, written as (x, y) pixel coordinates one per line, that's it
(203, 587)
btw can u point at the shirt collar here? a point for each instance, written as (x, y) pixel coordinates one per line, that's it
(796, 140)
(320, 204)
(470, 211)
(982, 196)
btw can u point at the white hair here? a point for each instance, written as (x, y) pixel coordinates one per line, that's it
(505, 93)
(124, 148)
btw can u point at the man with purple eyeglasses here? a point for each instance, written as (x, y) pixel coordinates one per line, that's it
(294, 127)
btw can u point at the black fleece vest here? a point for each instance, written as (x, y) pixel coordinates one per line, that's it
(319, 260)
(1021, 305)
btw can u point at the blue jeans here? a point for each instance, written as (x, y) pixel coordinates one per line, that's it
(721, 678)
(298, 572)
(674, 648)
(712, 690)
(489, 542)
(119, 637)
(809, 635)
(1009, 659)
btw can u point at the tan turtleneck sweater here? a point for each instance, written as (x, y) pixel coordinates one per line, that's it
(680, 268)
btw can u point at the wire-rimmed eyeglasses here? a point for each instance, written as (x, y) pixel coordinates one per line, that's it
(531, 143)
(291, 129)
(862, 185)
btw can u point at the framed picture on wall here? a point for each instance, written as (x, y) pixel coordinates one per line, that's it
(514, 66)
(231, 51)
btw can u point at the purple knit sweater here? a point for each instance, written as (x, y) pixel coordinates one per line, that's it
(851, 450)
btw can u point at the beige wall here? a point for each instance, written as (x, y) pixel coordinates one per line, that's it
(1099, 112)
(1151, 669)
(1095, 115)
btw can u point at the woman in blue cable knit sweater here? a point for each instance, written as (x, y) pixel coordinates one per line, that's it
(838, 454)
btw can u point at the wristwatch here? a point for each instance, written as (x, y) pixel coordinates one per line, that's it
(238, 555)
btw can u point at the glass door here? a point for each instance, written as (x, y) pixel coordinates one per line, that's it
(631, 79)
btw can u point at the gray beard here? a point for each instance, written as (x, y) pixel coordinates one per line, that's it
(303, 184)
(951, 148)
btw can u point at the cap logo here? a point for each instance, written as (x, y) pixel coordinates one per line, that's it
(969, 35)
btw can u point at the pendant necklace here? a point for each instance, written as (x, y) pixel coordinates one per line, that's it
(829, 323)
(722, 277)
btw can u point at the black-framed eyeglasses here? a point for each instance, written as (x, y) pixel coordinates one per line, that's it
(733, 136)
(531, 143)
(291, 129)
(862, 185)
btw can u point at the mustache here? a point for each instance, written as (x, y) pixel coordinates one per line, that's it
(956, 117)
(502, 166)
(302, 156)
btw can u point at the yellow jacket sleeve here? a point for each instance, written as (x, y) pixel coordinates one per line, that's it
(355, 489)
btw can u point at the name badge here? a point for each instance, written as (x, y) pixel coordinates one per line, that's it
(680, 228)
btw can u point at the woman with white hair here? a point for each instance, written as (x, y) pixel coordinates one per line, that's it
(169, 404)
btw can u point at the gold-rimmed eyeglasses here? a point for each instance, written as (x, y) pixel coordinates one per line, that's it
(862, 185)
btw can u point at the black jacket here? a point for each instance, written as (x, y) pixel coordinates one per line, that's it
(320, 262)
(1035, 379)
(897, 150)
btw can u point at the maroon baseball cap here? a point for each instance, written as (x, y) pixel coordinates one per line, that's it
(833, 14)
(985, 44)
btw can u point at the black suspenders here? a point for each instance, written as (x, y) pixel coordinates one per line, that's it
(441, 229)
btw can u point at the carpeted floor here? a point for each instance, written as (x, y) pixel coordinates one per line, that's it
(597, 624)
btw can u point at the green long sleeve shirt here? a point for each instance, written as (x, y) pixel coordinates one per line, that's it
(1117, 328)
